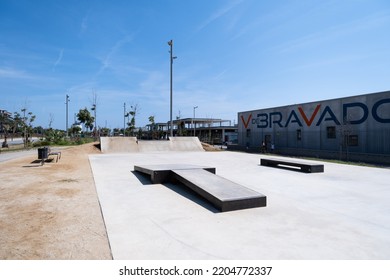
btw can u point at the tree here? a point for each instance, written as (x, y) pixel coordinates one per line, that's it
(85, 117)
(152, 123)
(51, 119)
(16, 123)
(54, 136)
(153, 132)
(94, 109)
(25, 123)
(105, 131)
(75, 130)
(117, 131)
(131, 123)
(5, 124)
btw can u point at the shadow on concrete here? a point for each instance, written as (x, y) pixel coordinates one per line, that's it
(191, 195)
(143, 178)
(180, 189)
(290, 168)
(32, 165)
(38, 162)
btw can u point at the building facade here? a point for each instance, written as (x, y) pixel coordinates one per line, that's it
(208, 130)
(353, 128)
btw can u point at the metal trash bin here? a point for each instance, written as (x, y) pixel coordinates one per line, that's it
(43, 153)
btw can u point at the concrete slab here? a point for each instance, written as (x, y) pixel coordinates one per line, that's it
(340, 214)
(224, 194)
(289, 164)
(14, 155)
(160, 173)
(154, 146)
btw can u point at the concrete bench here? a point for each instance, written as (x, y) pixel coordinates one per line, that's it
(292, 165)
(55, 153)
(223, 194)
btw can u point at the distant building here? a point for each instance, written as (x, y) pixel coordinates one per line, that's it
(208, 130)
(352, 128)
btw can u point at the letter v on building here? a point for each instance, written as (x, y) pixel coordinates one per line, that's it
(307, 121)
(246, 123)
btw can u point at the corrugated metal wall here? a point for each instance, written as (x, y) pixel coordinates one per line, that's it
(357, 124)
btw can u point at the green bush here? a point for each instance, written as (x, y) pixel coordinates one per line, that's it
(41, 143)
(63, 142)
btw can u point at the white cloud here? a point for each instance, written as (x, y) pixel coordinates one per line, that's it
(13, 74)
(107, 60)
(60, 55)
(84, 24)
(219, 13)
(334, 32)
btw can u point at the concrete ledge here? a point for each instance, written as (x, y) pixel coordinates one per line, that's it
(292, 165)
(161, 173)
(225, 195)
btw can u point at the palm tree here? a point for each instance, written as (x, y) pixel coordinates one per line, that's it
(85, 117)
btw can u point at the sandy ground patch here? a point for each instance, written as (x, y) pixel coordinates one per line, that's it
(51, 211)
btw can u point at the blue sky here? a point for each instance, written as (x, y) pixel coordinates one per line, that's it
(232, 55)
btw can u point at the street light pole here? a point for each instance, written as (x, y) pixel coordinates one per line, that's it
(124, 119)
(194, 124)
(67, 102)
(170, 43)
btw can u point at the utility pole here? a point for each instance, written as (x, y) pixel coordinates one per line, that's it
(194, 124)
(170, 43)
(24, 127)
(67, 102)
(124, 119)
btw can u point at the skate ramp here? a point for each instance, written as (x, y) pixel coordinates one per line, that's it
(132, 145)
(119, 144)
(154, 146)
(186, 144)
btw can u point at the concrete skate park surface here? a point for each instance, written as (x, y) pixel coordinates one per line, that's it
(132, 145)
(342, 213)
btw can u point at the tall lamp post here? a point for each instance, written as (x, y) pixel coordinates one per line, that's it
(124, 119)
(170, 43)
(67, 102)
(193, 123)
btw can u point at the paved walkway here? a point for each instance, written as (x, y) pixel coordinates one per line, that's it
(4, 156)
(342, 213)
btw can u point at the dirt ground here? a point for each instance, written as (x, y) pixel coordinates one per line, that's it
(51, 211)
